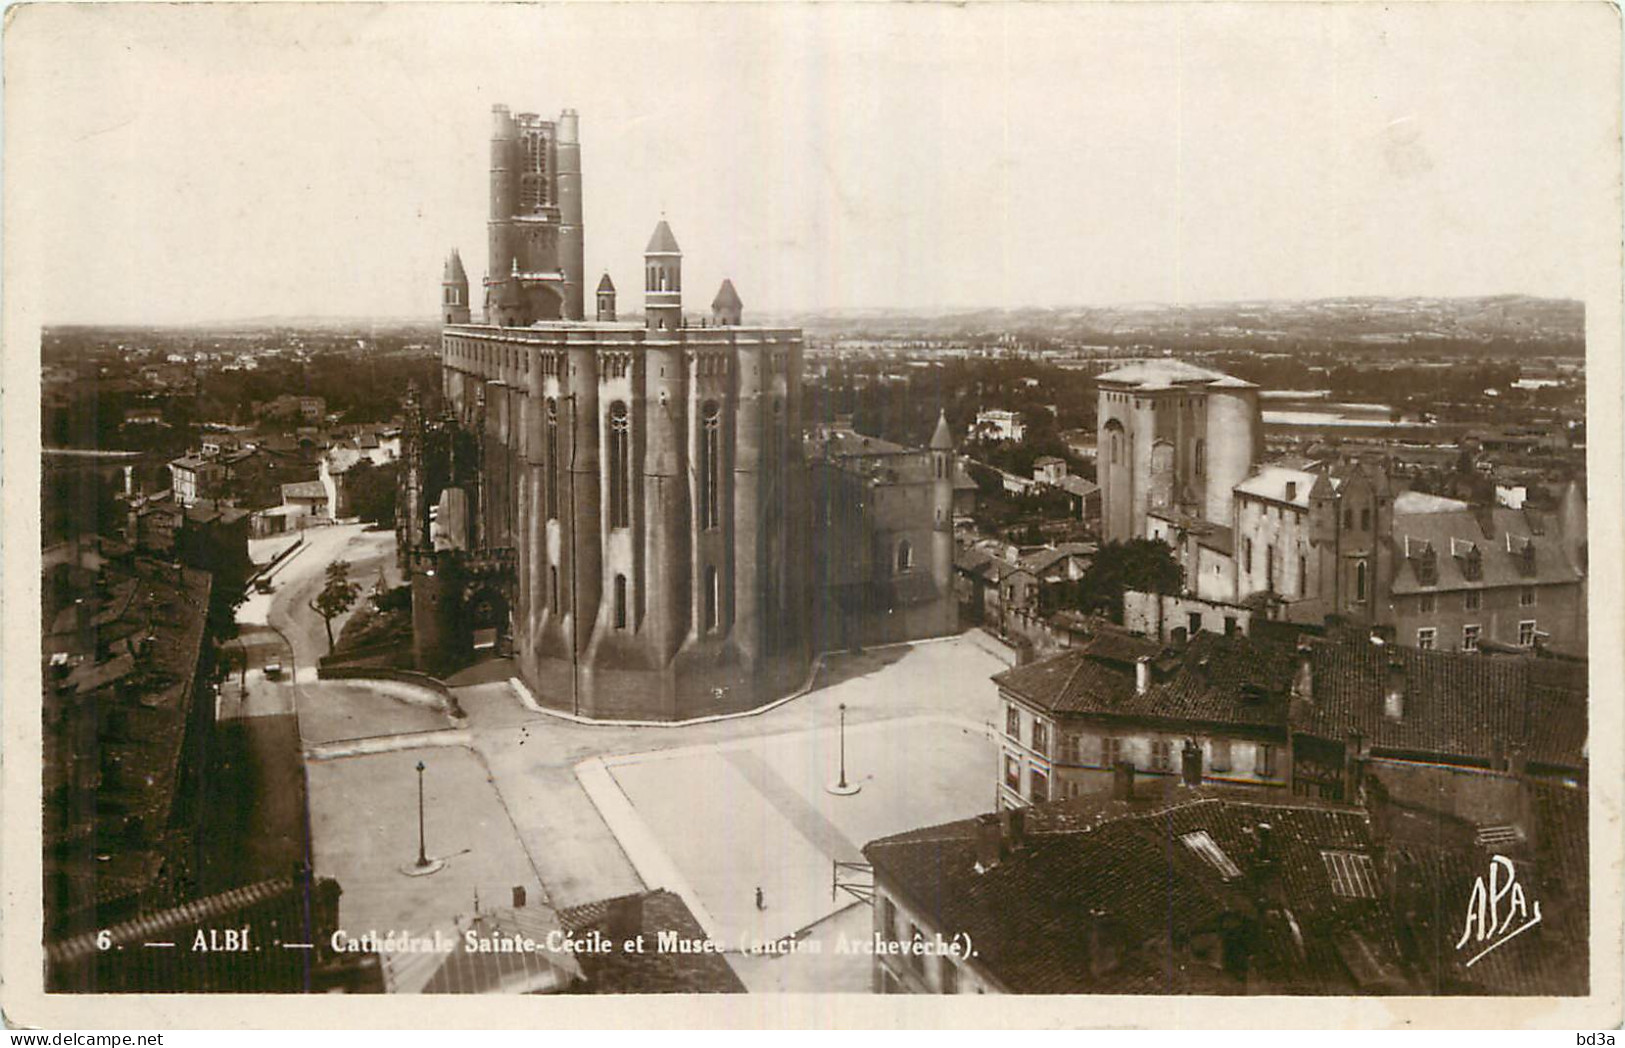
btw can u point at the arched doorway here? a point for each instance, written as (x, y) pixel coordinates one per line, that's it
(490, 622)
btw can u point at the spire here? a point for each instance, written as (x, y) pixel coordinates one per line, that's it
(726, 308)
(662, 242)
(455, 274)
(454, 303)
(606, 284)
(943, 438)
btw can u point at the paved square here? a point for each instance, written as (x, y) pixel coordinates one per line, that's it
(364, 821)
(728, 818)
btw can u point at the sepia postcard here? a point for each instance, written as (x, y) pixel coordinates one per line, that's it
(733, 514)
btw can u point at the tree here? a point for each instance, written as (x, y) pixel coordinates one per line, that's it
(1144, 565)
(372, 491)
(336, 597)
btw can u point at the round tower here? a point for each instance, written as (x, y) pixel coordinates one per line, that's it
(606, 299)
(454, 306)
(504, 196)
(567, 143)
(1235, 435)
(663, 281)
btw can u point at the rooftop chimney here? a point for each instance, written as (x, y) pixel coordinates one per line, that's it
(1393, 698)
(1142, 674)
(1303, 683)
(1265, 835)
(1291, 490)
(1123, 781)
(989, 841)
(1178, 636)
(519, 896)
(1015, 827)
(1190, 764)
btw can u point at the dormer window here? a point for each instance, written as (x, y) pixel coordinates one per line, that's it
(1424, 562)
(1470, 559)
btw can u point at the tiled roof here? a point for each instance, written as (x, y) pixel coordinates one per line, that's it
(1271, 483)
(981, 563)
(160, 924)
(1452, 535)
(1043, 560)
(1092, 871)
(465, 971)
(847, 443)
(1216, 680)
(654, 971)
(1078, 486)
(1551, 959)
(304, 489)
(1455, 705)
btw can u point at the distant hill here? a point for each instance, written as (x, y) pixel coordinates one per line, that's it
(1494, 323)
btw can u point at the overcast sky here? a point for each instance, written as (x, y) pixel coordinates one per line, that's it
(207, 162)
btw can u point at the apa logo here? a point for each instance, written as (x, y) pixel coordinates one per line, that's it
(1485, 922)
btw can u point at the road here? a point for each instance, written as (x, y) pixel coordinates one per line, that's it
(254, 822)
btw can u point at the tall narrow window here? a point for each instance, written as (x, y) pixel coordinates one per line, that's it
(620, 466)
(553, 461)
(710, 465)
(620, 602)
(713, 600)
(553, 583)
(1201, 456)
(1303, 576)
(1359, 581)
(905, 557)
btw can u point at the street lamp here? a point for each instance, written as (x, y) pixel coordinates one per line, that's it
(425, 865)
(423, 858)
(841, 788)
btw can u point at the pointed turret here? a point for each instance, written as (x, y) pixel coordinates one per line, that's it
(454, 291)
(662, 242)
(726, 308)
(943, 438)
(663, 281)
(606, 298)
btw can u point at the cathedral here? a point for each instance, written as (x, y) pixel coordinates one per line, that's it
(624, 504)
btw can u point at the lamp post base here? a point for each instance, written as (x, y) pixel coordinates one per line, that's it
(432, 866)
(842, 789)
